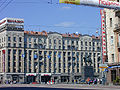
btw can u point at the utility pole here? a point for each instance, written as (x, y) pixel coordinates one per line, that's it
(101, 55)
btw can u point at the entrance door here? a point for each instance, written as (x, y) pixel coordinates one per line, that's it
(15, 78)
(30, 79)
(45, 79)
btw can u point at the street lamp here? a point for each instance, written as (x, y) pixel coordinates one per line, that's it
(101, 56)
(38, 65)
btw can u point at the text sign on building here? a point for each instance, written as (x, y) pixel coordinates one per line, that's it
(97, 3)
(14, 21)
(103, 32)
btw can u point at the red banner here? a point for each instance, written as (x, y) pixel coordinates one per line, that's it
(103, 32)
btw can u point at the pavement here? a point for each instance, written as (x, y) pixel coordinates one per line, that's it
(68, 86)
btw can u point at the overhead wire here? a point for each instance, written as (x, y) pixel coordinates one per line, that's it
(53, 26)
(41, 1)
(6, 5)
(2, 3)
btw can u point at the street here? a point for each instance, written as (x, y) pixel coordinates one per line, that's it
(56, 87)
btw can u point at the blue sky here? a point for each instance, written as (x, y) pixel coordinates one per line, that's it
(39, 15)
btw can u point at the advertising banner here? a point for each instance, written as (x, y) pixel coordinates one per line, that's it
(97, 3)
(103, 32)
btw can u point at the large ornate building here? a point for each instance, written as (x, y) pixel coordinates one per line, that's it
(27, 56)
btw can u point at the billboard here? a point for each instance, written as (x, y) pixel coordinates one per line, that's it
(15, 21)
(97, 3)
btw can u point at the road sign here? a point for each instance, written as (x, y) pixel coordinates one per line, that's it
(102, 66)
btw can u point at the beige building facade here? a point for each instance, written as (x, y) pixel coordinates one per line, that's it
(27, 56)
(112, 20)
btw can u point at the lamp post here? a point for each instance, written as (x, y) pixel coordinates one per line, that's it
(37, 67)
(38, 47)
(72, 66)
(101, 56)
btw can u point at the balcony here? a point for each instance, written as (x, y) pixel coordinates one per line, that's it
(117, 27)
(118, 45)
(117, 13)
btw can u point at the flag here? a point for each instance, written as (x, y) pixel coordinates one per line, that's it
(59, 56)
(49, 56)
(35, 56)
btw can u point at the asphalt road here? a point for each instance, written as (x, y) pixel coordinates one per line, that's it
(36, 88)
(56, 87)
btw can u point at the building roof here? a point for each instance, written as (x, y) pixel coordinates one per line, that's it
(73, 35)
(36, 33)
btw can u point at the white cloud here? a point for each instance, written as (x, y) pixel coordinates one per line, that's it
(66, 7)
(65, 24)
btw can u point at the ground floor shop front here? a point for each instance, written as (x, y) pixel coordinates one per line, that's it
(42, 78)
(113, 73)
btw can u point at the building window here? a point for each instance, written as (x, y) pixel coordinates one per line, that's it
(67, 41)
(54, 41)
(97, 44)
(29, 39)
(89, 43)
(35, 40)
(89, 48)
(49, 46)
(55, 47)
(4, 39)
(93, 43)
(68, 47)
(25, 39)
(25, 45)
(85, 43)
(14, 51)
(29, 45)
(81, 48)
(63, 42)
(59, 41)
(8, 44)
(111, 40)
(81, 43)
(49, 41)
(9, 39)
(9, 51)
(72, 42)
(59, 47)
(14, 44)
(20, 39)
(112, 57)
(40, 40)
(110, 22)
(20, 45)
(44, 40)
(98, 48)
(14, 39)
